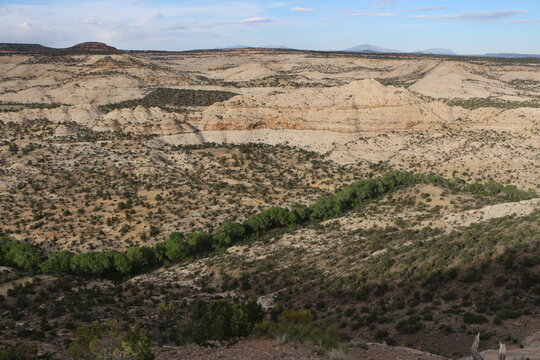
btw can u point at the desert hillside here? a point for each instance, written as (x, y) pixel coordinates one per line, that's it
(269, 203)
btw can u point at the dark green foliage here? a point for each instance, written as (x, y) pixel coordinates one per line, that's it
(471, 275)
(19, 352)
(120, 264)
(492, 188)
(177, 247)
(299, 326)
(141, 258)
(173, 99)
(477, 103)
(223, 321)
(198, 242)
(172, 249)
(505, 314)
(91, 263)
(107, 340)
(18, 254)
(270, 219)
(470, 318)
(410, 326)
(302, 212)
(227, 234)
(14, 107)
(58, 262)
(110, 263)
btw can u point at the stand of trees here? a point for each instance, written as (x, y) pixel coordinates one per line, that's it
(178, 247)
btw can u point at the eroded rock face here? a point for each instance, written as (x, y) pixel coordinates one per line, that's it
(363, 105)
(350, 108)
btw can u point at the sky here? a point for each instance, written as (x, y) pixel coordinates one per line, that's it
(465, 26)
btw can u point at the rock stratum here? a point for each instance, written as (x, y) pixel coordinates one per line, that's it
(474, 116)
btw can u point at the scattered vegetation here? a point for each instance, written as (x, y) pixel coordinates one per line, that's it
(107, 340)
(476, 103)
(177, 247)
(173, 100)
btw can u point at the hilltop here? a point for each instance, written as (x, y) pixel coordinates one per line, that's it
(12, 48)
(93, 46)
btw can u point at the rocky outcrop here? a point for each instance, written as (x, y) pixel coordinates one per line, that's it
(93, 46)
(363, 105)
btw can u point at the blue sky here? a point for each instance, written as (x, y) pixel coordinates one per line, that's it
(466, 26)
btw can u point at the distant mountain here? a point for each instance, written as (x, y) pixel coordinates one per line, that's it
(234, 47)
(252, 47)
(366, 48)
(512, 55)
(276, 47)
(437, 51)
(14, 48)
(371, 48)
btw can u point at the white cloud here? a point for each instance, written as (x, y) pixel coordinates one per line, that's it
(368, 13)
(474, 16)
(130, 24)
(469, 16)
(302, 9)
(258, 20)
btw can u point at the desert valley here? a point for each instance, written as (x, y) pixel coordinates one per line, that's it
(267, 204)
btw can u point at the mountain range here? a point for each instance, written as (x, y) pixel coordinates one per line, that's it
(367, 48)
(98, 47)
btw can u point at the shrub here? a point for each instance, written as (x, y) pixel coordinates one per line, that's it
(171, 99)
(409, 326)
(224, 321)
(172, 249)
(18, 254)
(141, 258)
(292, 327)
(505, 314)
(299, 317)
(198, 242)
(228, 233)
(269, 219)
(91, 263)
(57, 262)
(470, 318)
(19, 352)
(107, 340)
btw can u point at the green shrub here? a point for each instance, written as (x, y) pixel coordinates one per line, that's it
(107, 340)
(505, 314)
(409, 326)
(300, 317)
(227, 234)
(57, 262)
(91, 263)
(270, 219)
(292, 327)
(18, 352)
(470, 318)
(173, 99)
(141, 258)
(18, 254)
(223, 321)
(173, 249)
